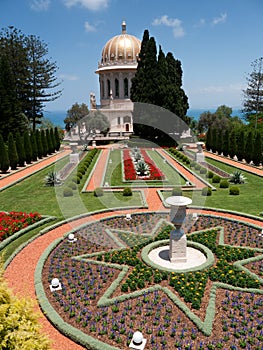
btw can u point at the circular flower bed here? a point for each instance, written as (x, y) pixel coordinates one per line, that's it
(109, 292)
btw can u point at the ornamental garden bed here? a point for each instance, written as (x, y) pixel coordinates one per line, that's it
(218, 307)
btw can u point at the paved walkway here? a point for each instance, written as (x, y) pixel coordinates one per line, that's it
(240, 165)
(21, 174)
(20, 272)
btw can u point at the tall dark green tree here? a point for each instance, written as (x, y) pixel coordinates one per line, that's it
(33, 146)
(57, 138)
(53, 140)
(27, 147)
(249, 147)
(253, 94)
(214, 140)
(257, 149)
(43, 83)
(44, 143)
(208, 142)
(4, 160)
(225, 146)
(49, 142)
(219, 141)
(32, 76)
(20, 149)
(12, 152)
(241, 144)
(39, 144)
(232, 143)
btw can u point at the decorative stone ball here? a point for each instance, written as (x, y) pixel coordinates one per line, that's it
(55, 283)
(137, 338)
(71, 237)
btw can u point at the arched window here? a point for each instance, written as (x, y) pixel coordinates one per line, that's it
(126, 119)
(126, 88)
(108, 87)
(117, 92)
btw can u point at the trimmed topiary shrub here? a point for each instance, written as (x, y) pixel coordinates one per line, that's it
(79, 174)
(197, 166)
(206, 191)
(234, 190)
(127, 192)
(176, 191)
(203, 171)
(224, 184)
(73, 185)
(216, 179)
(67, 192)
(76, 179)
(98, 192)
(210, 174)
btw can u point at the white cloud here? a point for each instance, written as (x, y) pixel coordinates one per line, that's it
(89, 27)
(221, 88)
(93, 5)
(174, 23)
(221, 19)
(39, 5)
(68, 77)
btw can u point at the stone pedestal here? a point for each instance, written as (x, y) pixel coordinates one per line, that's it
(178, 245)
(178, 241)
(93, 143)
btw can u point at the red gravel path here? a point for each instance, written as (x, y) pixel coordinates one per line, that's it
(234, 163)
(22, 173)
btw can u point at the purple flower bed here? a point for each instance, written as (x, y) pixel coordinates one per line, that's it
(238, 323)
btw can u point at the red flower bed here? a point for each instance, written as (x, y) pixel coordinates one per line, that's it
(129, 170)
(155, 173)
(15, 221)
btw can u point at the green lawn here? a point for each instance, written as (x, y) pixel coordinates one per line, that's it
(31, 195)
(113, 173)
(248, 201)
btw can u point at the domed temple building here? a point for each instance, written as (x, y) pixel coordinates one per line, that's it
(116, 69)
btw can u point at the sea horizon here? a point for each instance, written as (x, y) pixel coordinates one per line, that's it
(57, 116)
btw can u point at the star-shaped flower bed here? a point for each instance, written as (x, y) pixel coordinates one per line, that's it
(110, 293)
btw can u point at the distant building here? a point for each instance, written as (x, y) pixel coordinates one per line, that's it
(116, 69)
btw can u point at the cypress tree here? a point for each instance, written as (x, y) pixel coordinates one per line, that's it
(57, 139)
(225, 146)
(53, 140)
(257, 149)
(241, 144)
(27, 147)
(232, 143)
(20, 149)
(214, 140)
(4, 160)
(219, 141)
(249, 145)
(49, 143)
(208, 142)
(39, 144)
(12, 152)
(44, 143)
(33, 146)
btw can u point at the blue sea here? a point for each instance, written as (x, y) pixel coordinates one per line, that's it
(57, 117)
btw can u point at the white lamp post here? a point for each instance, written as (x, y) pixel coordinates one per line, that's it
(55, 285)
(71, 237)
(137, 342)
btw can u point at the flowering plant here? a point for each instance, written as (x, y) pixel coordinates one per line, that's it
(15, 221)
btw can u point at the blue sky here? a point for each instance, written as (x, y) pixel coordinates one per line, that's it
(215, 40)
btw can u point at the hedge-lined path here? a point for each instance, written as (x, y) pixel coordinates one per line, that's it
(242, 166)
(198, 183)
(20, 272)
(21, 174)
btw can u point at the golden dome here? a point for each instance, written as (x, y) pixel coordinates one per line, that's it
(121, 49)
